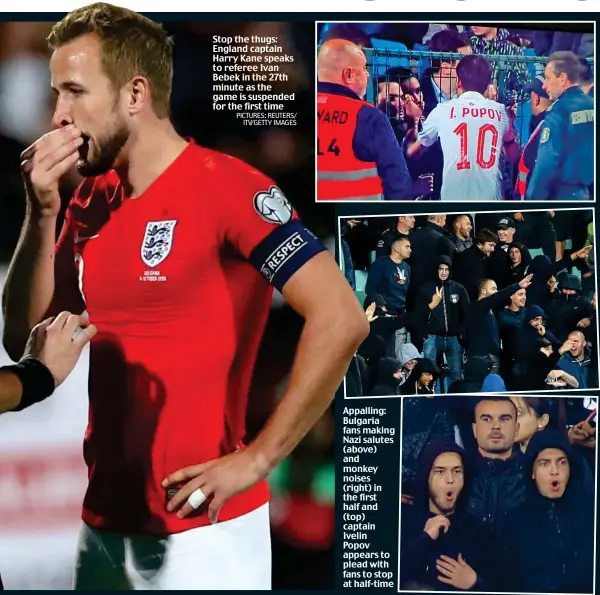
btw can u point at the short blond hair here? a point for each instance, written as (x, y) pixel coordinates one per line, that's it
(132, 45)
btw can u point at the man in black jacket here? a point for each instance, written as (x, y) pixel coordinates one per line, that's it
(498, 264)
(470, 265)
(551, 534)
(424, 244)
(482, 337)
(441, 547)
(459, 239)
(536, 351)
(404, 225)
(571, 310)
(442, 308)
(497, 485)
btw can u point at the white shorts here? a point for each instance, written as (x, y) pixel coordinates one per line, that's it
(234, 554)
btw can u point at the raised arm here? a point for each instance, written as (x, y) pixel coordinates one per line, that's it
(29, 286)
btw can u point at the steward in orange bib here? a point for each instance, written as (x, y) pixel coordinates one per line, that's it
(358, 156)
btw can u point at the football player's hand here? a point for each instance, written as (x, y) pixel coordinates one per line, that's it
(218, 480)
(45, 162)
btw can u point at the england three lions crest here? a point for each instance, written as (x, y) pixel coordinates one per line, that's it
(157, 242)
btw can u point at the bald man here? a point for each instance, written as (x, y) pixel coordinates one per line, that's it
(359, 157)
(576, 360)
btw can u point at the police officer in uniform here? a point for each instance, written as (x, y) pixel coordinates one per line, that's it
(358, 156)
(564, 168)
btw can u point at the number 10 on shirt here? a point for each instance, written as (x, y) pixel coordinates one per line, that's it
(487, 133)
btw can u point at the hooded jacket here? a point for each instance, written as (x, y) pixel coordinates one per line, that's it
(531, 365)
(567, 310)
(424, 242)
(449, 317)
(563, 526)
(499, 266)
(423, 419)
(513, 274)
(383, 381)
(410, 387)
(465, 536)
(543, 268)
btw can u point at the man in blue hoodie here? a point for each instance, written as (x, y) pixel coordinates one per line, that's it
(389, 276)
(441, 547)
(577, 361)
(550, 537)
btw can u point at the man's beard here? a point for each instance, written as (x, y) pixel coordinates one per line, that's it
(106, 150)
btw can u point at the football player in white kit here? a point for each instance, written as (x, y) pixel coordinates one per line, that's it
(473, 132)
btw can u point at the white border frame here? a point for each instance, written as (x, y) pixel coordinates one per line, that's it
(565, 396)
(469, 212)
(531, 24)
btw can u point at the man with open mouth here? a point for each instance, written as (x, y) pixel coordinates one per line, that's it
(551, 535)
(443, 548)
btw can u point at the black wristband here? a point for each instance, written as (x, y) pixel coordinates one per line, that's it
(36, 379)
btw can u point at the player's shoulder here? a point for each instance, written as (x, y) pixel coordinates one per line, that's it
(243, 184)
(221, 168)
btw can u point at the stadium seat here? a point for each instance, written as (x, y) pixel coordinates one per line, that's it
(360, 296)
(361, 280)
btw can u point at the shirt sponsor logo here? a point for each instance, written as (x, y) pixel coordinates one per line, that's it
(282, 254)
(273, 206)
(157, 242)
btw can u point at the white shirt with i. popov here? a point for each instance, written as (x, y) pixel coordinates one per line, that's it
(472, 130)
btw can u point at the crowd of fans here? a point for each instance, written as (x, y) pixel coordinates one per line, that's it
(498, 494)
(408, 93)
(464, 304)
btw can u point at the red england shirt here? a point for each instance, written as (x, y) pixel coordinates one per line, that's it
(177, 283)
